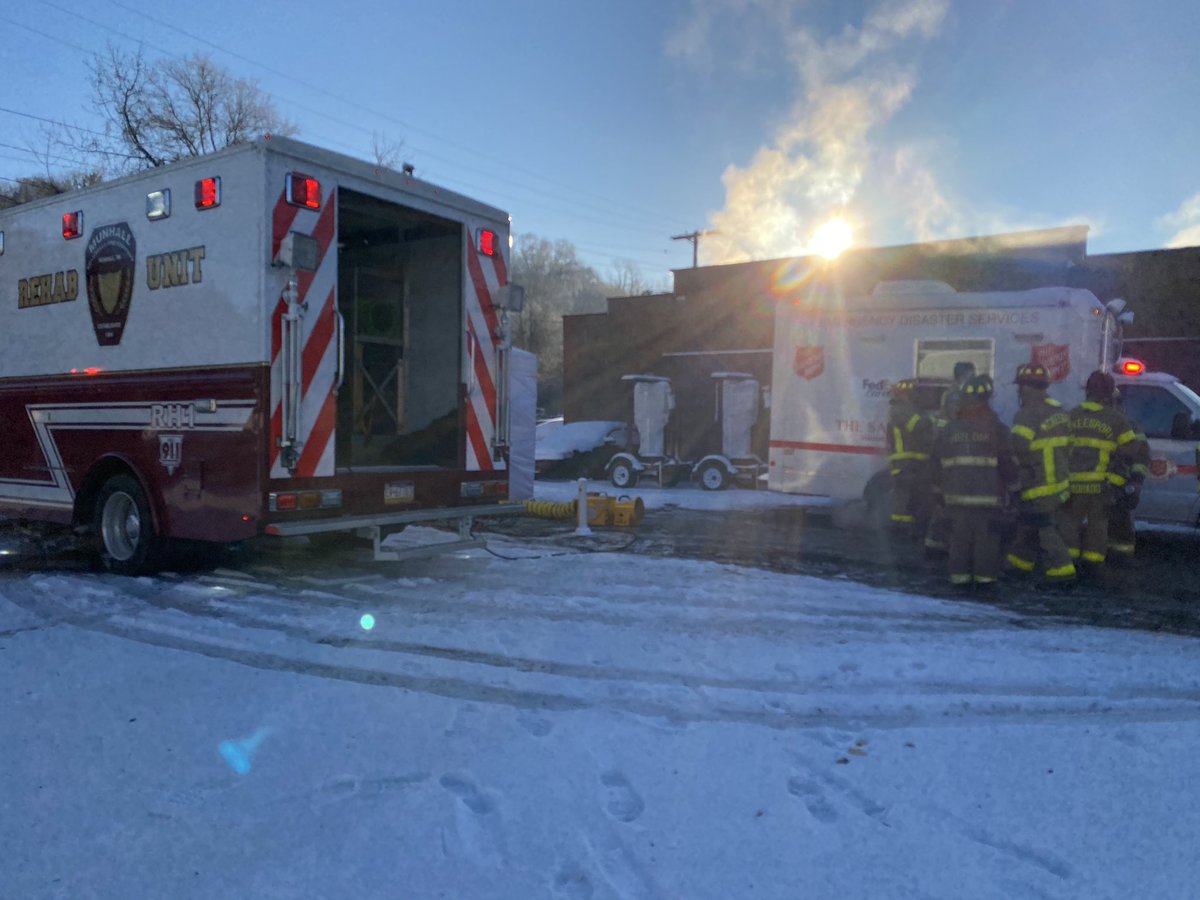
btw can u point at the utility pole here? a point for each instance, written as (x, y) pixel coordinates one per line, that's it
(694, 237)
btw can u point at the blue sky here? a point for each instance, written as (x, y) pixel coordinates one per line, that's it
(618, 125)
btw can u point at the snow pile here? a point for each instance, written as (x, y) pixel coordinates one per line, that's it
(556, 440)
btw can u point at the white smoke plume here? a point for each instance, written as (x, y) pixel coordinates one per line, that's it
(850, 84)
(1185, 222)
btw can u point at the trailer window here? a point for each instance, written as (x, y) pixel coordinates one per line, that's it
(936, 358)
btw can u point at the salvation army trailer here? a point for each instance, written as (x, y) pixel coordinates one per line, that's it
(836, 361)
(273, 339)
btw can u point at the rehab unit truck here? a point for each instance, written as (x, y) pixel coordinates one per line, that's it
(273, 339)
(835, 361)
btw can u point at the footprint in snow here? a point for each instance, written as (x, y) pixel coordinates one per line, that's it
(534, 724)
(572, 882)
(813, 798)
(622, 802)
(345, 786)
(471, 797)
(478, 824)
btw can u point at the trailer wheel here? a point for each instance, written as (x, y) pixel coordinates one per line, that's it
(713, 476)
(125, 535)
(621, 474)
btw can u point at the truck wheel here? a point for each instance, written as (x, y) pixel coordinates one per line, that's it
(621, 474)
(125, 536)
(713, 476)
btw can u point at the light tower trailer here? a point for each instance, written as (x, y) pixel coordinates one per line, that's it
(736, 407)
(270, 340)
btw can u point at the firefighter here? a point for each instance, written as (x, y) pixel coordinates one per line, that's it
(1102, 448)
(963, 372)
(976, 470)
(1041, 436)
(1122, 535)
(939, 526)
(909, 442)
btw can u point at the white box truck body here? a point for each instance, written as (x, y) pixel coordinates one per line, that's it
(836, 359)
(273, 339)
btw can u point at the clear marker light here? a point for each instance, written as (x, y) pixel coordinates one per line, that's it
(367, 622)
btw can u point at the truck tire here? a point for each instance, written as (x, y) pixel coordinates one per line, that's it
(125, 536)
(622, 474)
(713, 476)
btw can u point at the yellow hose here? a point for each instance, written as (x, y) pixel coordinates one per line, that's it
(547, 509)
(602, 510)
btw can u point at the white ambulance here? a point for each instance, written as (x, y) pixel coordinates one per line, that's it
(273, 339)
(836, 359)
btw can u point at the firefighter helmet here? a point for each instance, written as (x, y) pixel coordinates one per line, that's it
(1100, 386)
(978, 389)
(1034, 375)
(903, 388)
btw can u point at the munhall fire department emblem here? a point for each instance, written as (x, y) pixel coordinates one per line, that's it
(809, 362)
(109, 264)
(1055, 357)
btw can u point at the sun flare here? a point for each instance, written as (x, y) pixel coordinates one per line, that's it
(832, 238)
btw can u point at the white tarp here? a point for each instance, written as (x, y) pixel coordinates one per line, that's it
(652, 405)
(740, 412)
(522, 422)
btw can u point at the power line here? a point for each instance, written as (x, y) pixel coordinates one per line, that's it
(57, 39)
(612, 210)
(25, 115)
(474, 151)
(573, 210)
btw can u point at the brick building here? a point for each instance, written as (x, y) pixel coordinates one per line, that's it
(721, 318)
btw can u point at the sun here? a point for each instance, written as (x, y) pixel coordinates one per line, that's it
(832, 238)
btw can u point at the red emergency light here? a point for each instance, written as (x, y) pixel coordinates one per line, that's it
(303, 191)
(1132, 367)
(487, 242)
(208, 193)
(72, 225)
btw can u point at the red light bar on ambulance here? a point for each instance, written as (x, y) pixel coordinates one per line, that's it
(303, 191)
(1131, 367)
(208, 193)
(486, 242)
(72, 225)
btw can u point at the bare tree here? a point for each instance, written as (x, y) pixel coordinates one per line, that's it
(626, 279)
(556, 282)
(385, 151)
(158, 112)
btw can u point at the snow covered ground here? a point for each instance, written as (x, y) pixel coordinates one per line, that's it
(569, 724)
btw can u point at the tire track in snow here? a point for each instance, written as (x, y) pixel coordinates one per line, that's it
(723, 700)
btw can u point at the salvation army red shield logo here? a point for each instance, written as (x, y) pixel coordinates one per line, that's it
(1161, 467)
(809, 362)
(1055, 357)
